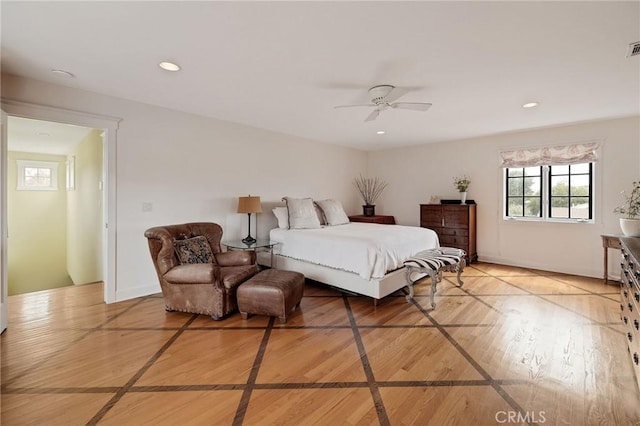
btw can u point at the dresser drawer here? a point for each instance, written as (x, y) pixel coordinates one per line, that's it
(454, 232)
(452, 240)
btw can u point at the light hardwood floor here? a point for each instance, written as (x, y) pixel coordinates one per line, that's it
(512, 346)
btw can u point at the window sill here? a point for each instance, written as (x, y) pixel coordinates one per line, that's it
(548, 220)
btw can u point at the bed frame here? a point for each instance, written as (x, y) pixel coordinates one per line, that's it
(349, 281)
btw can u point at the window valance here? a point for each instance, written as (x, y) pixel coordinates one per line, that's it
(550, 155)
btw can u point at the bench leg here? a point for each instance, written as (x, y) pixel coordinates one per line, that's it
(460, 268)
(434, 281)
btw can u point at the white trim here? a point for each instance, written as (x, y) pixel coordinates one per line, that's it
(593, 272)
(4, 277)
(132, 293)
(110, 125)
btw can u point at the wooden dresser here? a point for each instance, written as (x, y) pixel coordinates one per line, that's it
(385, 220)
(630, 298)
(455, 225)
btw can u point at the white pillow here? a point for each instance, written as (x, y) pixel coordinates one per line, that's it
(302, 213)
(283, 217)
(333, 212)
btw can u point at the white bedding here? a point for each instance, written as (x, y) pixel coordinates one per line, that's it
(370, 250)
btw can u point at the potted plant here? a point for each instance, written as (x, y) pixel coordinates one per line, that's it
(370, 189)
(462, 184)
(630, 224)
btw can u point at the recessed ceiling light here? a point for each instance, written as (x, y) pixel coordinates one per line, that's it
(43, 134)
(381, 132)
(530, 105)
(63, 73)
(169, 66)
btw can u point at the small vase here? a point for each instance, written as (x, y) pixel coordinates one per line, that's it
(369, 210)
(463, 197)
(630, 227)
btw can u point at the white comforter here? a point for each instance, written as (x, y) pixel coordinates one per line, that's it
(370, 250)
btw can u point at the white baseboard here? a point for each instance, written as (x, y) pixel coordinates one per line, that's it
(563, 269)
(132, 293)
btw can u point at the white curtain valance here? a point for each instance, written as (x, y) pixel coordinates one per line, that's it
(550, 155)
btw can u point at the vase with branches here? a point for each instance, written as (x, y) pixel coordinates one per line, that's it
(370, 190)
(630, 224)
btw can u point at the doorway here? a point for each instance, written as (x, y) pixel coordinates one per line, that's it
(54, 205)
(109, 126)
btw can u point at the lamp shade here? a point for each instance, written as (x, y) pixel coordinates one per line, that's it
(249, 205)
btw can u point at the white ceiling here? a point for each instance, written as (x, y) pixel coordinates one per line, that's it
(284, 65)
(26, 135)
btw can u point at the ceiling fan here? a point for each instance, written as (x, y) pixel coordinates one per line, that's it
(383, 97)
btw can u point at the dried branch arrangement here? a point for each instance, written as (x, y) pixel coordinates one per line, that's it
(370, 188)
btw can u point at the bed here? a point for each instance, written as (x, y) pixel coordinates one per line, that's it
(363, 258)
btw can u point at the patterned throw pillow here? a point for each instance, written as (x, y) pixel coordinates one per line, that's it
(193, 250)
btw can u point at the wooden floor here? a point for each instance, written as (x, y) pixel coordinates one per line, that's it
(512, 346)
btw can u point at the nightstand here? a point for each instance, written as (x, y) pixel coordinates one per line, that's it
(259, 245)
(384, 220)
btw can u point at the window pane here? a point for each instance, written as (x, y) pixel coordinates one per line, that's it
(560, 185)
(532, 206)
(44, 172)
(560, 207)
(580, 207)
(515, 207)
(532, 186)
(30, 180)
(30, 171)
(515, 186)
(580, 185)
(559, 170)
(514, 172)
(580, 168)
(532, 171)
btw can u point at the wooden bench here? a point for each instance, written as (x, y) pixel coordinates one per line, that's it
(433, 262)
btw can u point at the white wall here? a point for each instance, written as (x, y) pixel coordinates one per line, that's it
(417, 173)
(84, 212)
(193, 168)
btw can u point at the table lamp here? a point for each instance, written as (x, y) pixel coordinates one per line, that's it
(249, 205)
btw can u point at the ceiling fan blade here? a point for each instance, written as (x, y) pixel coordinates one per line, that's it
(416, 106)
(351, 106)
(374, 114)
(396, 94)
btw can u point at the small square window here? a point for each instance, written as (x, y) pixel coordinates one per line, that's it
(37, 175)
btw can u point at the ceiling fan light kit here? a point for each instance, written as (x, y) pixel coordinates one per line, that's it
(381, 100)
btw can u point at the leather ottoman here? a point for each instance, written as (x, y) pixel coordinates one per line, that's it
(272, 292)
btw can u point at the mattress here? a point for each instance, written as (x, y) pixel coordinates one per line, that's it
(367, 249)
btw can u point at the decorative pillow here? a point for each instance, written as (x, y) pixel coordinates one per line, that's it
(193, 250)
(302, 213)
(320, 214)
(283, 217)
(333, 212)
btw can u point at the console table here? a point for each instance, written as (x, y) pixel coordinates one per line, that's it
(609, 241)
(385, 220)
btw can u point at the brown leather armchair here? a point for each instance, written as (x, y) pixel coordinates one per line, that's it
(200, 288)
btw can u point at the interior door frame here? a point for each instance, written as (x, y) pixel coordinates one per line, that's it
(4, 283)
(110, 126)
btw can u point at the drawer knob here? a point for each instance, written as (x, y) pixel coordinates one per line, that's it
(625, 319)
(624, 293)
(630, 306)
(630, 336)
(636, 324)
(636, 296)
(621, 307)
(636, 358)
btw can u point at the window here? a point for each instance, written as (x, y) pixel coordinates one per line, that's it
(550, 192)
(37, 175)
